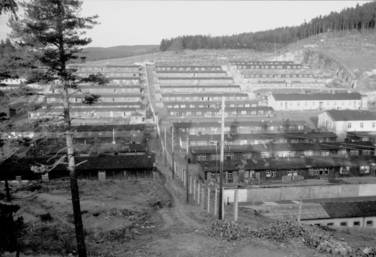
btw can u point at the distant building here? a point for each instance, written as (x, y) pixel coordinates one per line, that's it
(317, 101)
(13, 81)
(357, 212)
(342, 121)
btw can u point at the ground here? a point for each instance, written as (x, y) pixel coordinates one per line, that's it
(158, 222)
(139, 217)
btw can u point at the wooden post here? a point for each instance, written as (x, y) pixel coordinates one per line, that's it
(45, 178)
(172, 152)
(215, 201)
(165, 145)
(194, 190)
(190, 184)
(223, 204)
(236, 199)
(300, 211)
(101, 176)
(208, 199)
(187, 184)
(220, 206)
(198, 192)
(203, 196)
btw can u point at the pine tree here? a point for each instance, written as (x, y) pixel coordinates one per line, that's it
(53, 31)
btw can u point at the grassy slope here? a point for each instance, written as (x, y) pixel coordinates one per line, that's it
(356, 50)
(100, 53)
(191, 56)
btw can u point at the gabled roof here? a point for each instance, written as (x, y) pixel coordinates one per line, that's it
(205, 94)
(195, 78)
(317, 96)
(351, 115)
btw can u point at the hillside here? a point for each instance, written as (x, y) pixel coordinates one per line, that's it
(360, 18)
(100, 53)
(354, 51)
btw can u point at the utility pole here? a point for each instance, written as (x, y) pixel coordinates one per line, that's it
(172, 152)
(186, 169)
(165, 146)
(220, 206)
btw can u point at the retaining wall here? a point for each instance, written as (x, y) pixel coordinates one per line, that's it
(300, 192)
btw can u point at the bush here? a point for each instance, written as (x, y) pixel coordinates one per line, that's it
(50, 238)
(280, 231)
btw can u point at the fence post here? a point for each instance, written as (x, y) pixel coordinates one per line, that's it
(208, 199)
(101, 176)
(203, 196)
(236, 196)
(223, 204)
(198, 192)
(215, 201)
(194, 190)
(45, 177)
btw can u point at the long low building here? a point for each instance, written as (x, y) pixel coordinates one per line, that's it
(195, 81)
(204, 97)
(283, 150)
(177, 67)
(357, 212)
(218, 104)
(342, 121)
(284, 170)
(233, 112)
(192, 74)
(317, 101)
(241, 127)
(88, 115)
(260, 138)
(105, 98)
(132, 164)
(196, 89)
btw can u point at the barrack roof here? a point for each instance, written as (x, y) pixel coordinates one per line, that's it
(351, 115)
(317, 96)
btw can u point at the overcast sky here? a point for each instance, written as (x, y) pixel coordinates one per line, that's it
(147, 22)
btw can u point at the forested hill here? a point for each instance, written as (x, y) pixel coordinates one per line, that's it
(361, 17)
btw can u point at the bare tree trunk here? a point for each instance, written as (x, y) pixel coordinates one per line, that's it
(80, 236)
(7, 191)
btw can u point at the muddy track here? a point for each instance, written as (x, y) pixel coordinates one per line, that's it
(177, 215)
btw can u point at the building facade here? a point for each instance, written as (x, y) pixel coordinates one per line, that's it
(317, 101)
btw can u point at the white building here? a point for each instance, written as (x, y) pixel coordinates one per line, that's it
(342, 121)
(317, 101)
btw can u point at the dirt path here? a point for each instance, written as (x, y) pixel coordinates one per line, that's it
(177, 215)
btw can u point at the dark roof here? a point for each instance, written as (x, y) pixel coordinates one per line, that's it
(109, 86)
(296, 147)
(351, 115)
(217, 102)
(235, 123)
(108, 127)
(186, 66)
(200, 86)
(217, 109)
(261, 164)
(191, 71)
(205, 94)
(317, 96)
(100, 162)
(292, 135)
(91, 109)
(194, 78)
(351, 209)
(100, 95)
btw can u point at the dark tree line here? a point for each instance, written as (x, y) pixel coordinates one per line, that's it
(361, 18)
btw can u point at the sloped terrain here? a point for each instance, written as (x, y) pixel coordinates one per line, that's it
(353, 51)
